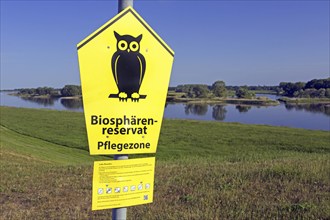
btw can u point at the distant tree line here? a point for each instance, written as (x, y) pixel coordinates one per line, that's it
(38, 91)
(217, 89)
(316, 88)
(253, 88)
(67, 90)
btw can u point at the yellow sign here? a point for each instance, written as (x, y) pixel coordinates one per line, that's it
(125, 71)
(123, 183)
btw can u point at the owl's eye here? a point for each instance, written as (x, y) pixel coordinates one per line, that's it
(122, 45)
(134, 46)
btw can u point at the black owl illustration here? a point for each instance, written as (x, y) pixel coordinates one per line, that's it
(128, 67)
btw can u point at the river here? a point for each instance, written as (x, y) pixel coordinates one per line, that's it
(307, 116)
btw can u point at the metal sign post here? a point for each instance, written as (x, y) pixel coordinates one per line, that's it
(122, 4)
(121, 213)
(125, 69)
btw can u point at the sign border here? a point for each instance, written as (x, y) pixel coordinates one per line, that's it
(131, 10)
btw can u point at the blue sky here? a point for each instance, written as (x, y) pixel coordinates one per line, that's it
(239, 42)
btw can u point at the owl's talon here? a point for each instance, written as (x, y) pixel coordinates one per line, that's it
(135, 95)
(122, 95)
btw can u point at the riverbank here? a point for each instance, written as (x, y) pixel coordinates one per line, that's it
(305, 100)
(174, 97)
(28, 96)
(204, 170)
(258, 102)
(292, 115)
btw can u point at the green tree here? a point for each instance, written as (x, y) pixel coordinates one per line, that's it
(292, 89)
(194, 90)
(45, 91)
(71, 90)
(219, 89)
(318, 84)
(244, 93)
(198, 91)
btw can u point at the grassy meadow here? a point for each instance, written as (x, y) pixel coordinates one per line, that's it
(204, 170)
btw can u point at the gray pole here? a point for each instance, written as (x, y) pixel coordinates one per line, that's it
(122, 4)
(121, 213)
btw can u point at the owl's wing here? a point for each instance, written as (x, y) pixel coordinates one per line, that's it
(114, 62)
(142, 67)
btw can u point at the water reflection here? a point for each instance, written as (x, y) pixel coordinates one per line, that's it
(309, 116)
(314, 108)
(243, 108)
(41, 101)
(196, 109)
(219, 112)
(72, 103)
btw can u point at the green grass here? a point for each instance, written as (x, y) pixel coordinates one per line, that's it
(63, 128)
(36, 150)
(179, 138)
(236, 142)
(204, 170)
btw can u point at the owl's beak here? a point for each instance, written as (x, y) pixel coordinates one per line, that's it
(128, 50)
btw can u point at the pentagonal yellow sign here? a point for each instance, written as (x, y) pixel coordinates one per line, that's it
(125, 70)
